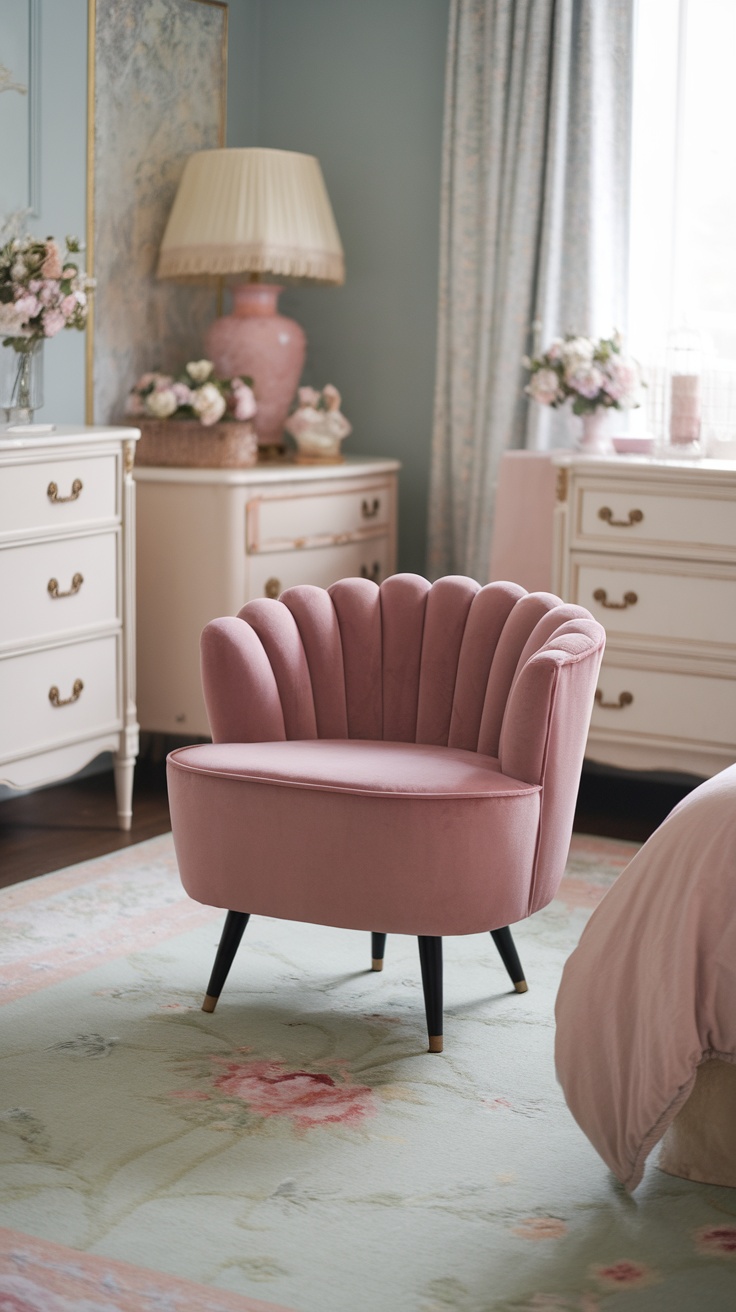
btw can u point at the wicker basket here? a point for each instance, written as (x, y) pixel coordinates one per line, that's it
(186, 442)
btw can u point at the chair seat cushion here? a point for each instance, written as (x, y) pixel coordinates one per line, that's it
(356, 766)
(263, 828)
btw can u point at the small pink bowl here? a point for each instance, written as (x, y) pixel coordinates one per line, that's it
(633, 446)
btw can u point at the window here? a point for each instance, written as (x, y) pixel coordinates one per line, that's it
(683, 214)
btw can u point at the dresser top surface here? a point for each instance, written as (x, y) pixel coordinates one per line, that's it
(350, 467)
(32, 437)
(631, 464)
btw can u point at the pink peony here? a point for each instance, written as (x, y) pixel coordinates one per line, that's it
(53, 322)
(51, 267)
(585, 379)
(69, 305)
(306, 1099)
(49, 293)
(621, 380)
(28, 306)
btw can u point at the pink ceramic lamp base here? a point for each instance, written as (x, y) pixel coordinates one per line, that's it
(257, 341)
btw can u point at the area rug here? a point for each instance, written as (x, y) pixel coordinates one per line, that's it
(299, 1148)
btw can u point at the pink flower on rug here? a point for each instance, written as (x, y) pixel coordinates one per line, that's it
(305, 1098)
(540, 1227)
(716, 1240)
(20, 1295)
(624, 1274)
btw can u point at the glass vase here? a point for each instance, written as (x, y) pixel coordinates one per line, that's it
(21, 380)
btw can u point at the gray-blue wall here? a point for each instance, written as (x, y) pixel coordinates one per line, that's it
(360, 84)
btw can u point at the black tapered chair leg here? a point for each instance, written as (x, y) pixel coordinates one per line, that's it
(510, 957)
(378, 947)
(235, 923)
(430, 958)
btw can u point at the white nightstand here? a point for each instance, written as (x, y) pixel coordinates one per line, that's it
(209, 540)
(649, 546)
(67, 574)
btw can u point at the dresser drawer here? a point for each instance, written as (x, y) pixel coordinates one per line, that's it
(623, 517)
(297, 520)
(640, 599)
(57, 494)
(664, 706)
(271, 574)
(59, 585)
(31, 723)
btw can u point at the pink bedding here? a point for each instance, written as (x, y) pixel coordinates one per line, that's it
(650, 991)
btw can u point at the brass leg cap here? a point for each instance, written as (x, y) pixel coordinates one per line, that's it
(209, 1003)
(377, 963)
(521, 986)
(435, 1043)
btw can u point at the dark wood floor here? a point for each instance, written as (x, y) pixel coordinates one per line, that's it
(75, 821)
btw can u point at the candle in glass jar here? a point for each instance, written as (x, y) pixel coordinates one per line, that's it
(684, 409)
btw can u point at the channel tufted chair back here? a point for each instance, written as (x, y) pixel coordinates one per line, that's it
(439, 729)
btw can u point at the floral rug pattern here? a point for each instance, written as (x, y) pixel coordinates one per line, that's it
(299, 1148)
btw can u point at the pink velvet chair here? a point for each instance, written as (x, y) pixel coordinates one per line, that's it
(402, 759)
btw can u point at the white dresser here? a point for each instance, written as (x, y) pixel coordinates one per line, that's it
(209, 540)
(649, 546)
(67, 574)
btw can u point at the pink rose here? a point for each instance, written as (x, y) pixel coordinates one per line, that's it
(245, 402)
(51, 267)
(133, 406)
(306, 1099)
(69, 305)
(183, 394)
(53, 322)
(630, 1275)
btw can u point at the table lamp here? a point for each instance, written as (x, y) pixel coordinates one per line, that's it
(254, 211)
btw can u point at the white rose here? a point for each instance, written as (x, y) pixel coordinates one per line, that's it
(209, 404)
(578, 351)
(200, 370)
(162, 404)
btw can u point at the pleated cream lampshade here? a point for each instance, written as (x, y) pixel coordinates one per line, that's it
(254, 211)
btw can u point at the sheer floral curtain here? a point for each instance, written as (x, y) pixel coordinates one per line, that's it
(534, 228)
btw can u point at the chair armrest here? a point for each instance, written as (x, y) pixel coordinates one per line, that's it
(240, 690)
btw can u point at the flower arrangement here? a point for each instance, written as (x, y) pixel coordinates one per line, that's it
(41, 290)
(317, 425)
(196, 393)
(594, 374)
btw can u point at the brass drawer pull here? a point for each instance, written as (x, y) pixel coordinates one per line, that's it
(273, 589)
(635, 517)
(52, 492)
(373, 574)
(630, 599)
(53, 587)
(624, 699)
(56, 700)
(370, 511)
